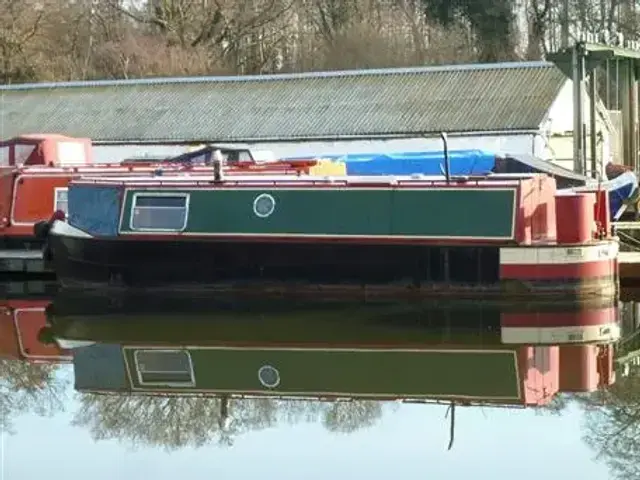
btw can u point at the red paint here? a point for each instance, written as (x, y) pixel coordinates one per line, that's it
(586, 368)
(586, 270)
(536, 214)
(34, 201)
(577, 318)
(579, 368)
(20, 323)
(539, 371)
(575, 218)
(606, 370)
(41, 149)
(310, 239)
(601, 212)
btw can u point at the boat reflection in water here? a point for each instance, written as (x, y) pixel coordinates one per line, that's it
(461, 353)
(21, 320)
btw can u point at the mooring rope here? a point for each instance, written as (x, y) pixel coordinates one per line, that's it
(630, 241)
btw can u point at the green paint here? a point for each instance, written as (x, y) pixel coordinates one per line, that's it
(401, 373)
(463, 213)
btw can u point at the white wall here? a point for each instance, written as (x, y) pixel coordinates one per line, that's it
(558, 130)
(113, 153)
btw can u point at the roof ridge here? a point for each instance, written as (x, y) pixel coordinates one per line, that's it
(462, 68)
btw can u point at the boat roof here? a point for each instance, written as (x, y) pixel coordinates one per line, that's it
(545, 166)
(499, 180)
(231, 152)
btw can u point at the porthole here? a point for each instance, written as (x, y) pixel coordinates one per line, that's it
(264, 205)
(269, 376)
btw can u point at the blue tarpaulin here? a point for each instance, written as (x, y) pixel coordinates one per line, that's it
(463, 162)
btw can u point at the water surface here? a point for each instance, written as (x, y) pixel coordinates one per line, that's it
(53, 426)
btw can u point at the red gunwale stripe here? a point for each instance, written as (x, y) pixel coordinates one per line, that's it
(584, 318)
(475, 242)
(298, 184)
(26, 304)
(600, 268)
(428, 346)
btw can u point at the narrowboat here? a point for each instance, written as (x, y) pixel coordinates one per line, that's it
(38, 169)
(311, 351)
(347, 236)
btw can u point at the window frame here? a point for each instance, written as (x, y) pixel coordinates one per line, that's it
(137, 195)
(142, 383)
(56, 192)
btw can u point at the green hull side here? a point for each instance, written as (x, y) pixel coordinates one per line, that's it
(408, 373)
(463, 213)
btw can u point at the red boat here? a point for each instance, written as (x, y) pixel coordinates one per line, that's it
(36, 169)
(20, 324)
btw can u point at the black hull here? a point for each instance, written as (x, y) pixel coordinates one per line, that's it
(299, 270)
(133, 304)
(205, 319)
(90, 262)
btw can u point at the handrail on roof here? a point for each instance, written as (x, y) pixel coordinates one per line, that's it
(242, 180)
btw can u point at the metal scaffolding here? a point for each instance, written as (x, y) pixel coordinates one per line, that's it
(611, 74)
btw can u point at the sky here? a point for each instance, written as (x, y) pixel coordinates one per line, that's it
(410, 440)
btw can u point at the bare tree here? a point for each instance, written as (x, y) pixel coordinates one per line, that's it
(29, 388)
(19, 24)
(174, 422)
(612, 426)
(538, 16)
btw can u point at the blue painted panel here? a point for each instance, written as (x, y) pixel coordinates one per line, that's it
(95, 209)
(100, 367)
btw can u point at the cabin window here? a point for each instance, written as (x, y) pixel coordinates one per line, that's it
(165, 213)
(164, 367)
(4, 156)
(60, 200)
(22, 153)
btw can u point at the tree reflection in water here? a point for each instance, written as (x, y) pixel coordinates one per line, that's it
(174, 422)
(556, 406)
(29, 388)
(612, 425)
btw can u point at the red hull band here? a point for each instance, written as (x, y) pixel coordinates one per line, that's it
(579, 318)
(587, 270)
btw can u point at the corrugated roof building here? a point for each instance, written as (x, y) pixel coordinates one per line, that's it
(496, 101)
(315, 106)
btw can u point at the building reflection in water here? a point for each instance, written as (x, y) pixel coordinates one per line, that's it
(200, 369)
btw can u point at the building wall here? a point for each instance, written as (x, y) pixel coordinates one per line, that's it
(117, 153)
(558, 131)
